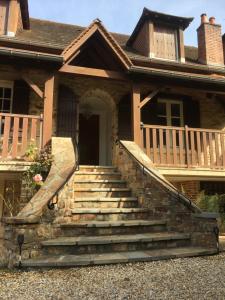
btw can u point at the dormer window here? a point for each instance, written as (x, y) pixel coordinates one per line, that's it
(165, 43)
(160, 36)
(4, 12)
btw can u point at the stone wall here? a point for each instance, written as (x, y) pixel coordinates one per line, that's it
(162, 203)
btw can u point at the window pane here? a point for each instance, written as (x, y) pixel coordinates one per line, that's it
(162, 121)
(161, 109)
(6, 106)
(175, 110)
(7, 93)
(176, 122)
(1, 92)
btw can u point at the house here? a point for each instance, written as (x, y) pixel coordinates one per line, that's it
(136, 125)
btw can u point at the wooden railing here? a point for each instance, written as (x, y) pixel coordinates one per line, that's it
(184, 147)
(17, 132)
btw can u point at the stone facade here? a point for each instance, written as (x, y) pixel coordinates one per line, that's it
(163, 203)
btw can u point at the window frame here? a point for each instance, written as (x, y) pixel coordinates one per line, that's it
(10, 85)
(168, 115)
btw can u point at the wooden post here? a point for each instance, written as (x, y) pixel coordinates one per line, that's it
(136, 114)
(48, 110)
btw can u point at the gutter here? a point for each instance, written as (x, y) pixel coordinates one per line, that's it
(31, 55)
(176, 75)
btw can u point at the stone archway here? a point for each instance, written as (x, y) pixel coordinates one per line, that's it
(97, 127)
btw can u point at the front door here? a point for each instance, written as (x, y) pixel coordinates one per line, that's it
(89, 139)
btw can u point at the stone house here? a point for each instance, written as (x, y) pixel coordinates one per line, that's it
(136, 125)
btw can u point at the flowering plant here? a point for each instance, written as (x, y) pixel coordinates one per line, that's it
(35, 176)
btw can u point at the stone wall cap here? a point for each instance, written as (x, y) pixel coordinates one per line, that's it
(21, 221)
(207, 215)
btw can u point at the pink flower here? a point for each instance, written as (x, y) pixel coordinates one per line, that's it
(37, 178)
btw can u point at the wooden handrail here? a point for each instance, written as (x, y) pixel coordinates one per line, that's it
(184, 146)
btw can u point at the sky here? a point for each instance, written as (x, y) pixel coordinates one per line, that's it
(122, 15)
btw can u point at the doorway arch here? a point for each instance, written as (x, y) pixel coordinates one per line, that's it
(97, 119)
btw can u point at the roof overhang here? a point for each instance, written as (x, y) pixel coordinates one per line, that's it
(206, 81)
(154, 16)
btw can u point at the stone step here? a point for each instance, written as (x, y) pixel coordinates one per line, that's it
(109, 202)
(102, 192)
(114, 243)
(108, 214)
(80, 175)
(93, 228)
(88, 168)
(114, 258)
(99, 183)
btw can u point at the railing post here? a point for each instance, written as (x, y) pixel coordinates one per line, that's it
(187, 145)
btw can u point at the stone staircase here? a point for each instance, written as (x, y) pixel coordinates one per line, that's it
(107, 226)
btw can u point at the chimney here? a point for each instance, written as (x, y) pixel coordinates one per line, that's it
(210, 46)
(14, 16)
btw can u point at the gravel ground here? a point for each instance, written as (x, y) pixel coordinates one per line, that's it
(189, 278)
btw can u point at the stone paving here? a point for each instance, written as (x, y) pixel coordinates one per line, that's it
(179, 279)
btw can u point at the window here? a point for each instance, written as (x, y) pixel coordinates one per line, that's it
(213, 187)
(170, 113)
(6, 95)
(165, 43)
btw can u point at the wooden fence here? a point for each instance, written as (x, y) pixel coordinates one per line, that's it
(17, 132)
(184, 146)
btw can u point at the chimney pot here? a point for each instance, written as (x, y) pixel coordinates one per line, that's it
(212, 20)
(204, 18)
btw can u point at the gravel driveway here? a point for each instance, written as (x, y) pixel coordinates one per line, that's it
(189, 278)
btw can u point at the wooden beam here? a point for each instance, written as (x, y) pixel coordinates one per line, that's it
(100, 73)
(149, 97)
(48, 110)
(33, 86)
(136, 114)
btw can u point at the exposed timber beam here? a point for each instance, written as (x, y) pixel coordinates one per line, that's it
(149, 97)
(100, 73)
(136, 114)
(33, 86)
(48, 110)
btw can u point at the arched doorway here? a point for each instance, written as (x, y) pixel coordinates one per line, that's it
(96, 128)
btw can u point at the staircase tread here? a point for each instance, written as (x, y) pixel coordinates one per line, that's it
(96, 173)
(105, 199)
(107, 210)
(118, 257)
(102, 189)
(111, 239)
(114, 223)
(96, 167)
(100, 181)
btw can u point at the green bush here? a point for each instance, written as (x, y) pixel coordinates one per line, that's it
(213, 203)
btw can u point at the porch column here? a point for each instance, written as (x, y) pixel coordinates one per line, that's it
(136, 114)
(48, 109)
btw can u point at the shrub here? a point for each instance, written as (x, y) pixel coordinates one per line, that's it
(213, 203)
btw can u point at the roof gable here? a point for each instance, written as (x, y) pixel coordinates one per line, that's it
(96, 27)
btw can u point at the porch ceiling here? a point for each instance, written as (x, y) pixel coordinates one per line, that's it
(198, 174)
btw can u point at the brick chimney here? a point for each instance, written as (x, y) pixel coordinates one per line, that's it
(210, 46)
(14, 16)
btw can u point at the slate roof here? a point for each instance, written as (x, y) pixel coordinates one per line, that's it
(58, 36)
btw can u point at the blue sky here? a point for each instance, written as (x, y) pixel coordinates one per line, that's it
(122, 15)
